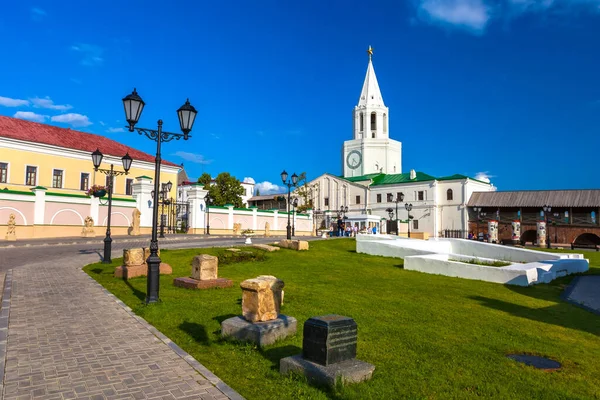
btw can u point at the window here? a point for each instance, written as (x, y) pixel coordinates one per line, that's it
(415, 224)
(3, 172)
(390, 197)
(449, 194)
(420, 195)
(362, 122)
(373, 121)
(57, 178)
(385, 123)
(326, 201)
(31, 176)
(84, 183)
(379, 198)
(399, 196)
(357, 199)
(128, 187)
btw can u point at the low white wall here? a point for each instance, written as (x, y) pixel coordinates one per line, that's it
(439, 264)
(394, 246)
(498, 251)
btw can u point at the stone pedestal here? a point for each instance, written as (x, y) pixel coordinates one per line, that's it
(516, 231)
(134, 264)
(204, 274)
(261, 333)
(328, 352)
(493, 231)
(261, 298)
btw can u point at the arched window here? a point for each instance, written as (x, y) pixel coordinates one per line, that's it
(362, 122)
(373, 121)
(449, 194)
(385, 128)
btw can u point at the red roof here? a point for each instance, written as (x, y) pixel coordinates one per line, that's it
(19, 129)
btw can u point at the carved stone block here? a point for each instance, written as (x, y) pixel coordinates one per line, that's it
(205, 267)
(261, 298)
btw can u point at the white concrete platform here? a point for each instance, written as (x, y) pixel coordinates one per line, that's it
(444, 256)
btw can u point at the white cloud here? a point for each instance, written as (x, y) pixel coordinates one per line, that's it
(8, 102)
(249, 180)
(76, 120)
(113, 130)
(475, 15)
(192, 157)
(47, 102)
(91, 55)
(30, 116)
(469, 14)
(483, 176)
(268, 188)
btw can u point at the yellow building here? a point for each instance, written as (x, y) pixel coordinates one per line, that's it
(51, 165)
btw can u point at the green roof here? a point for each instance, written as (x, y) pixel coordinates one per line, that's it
(392, 179)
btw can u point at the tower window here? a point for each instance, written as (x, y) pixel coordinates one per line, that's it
(373, 121)
(385, 128)
(379, 197)
(449, 194)
(362, 122)
(357, 199)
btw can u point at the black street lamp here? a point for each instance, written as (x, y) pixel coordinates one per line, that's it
(164, 194)
(186, 114)
(293, 182)
(111, 173)
(547, 210)
(399, 199)
(408, 208)
(294, 204)
(390, 212)
(208, 200)
(342, 212)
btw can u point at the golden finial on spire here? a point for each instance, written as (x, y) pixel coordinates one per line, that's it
(370, 52)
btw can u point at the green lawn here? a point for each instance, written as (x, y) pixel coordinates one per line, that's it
(429, 336)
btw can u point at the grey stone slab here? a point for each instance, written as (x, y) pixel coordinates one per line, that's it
(584, 292)
(349, 371)
(261, 333)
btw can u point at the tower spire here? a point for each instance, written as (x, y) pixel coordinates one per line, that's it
(370, 94)
(370, 52)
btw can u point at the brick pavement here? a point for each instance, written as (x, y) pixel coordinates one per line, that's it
(69, 339)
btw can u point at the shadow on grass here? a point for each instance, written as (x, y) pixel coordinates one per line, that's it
(97, 271)
(275, 354)
(561, 314)
(351, 251)
(196, 331)
(137, 293)
(401, 266)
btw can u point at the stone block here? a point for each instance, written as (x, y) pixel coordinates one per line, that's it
(285, 243)
(190, 283)
(349, 371)
(133, 271)
(261, 333)
(205, 267)
(329, 339)
(299, 245)
(266, 247)
(261, 298)
(233, 250)
(147, 253)
(133, 257)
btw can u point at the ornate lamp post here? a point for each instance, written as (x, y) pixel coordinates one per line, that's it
(164, 194)
(408, 208)
(208, 200)
(293, 182)
(134, 105)
(390, 212)
(111, 173)
(294, 205)
(399, 199)
(547, 209)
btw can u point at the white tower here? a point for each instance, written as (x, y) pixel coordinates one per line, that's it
(371, 150)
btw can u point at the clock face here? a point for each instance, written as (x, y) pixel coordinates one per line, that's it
(354, 159)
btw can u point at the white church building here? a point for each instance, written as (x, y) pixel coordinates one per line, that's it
(372, 178)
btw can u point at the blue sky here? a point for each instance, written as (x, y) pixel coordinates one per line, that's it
(507, 89)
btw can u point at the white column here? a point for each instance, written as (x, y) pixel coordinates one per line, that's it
(254, 218)
(141, 191)
(436, 222)
(229, 216)
(95, 209)
(40, 205)
(197, 209)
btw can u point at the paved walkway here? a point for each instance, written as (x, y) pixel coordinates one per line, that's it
(584, 291)
(69, 339)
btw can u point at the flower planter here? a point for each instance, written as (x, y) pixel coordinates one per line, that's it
(248, 238)
(99, 193)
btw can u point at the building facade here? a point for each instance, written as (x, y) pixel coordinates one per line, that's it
(45, 172)
(372, 179)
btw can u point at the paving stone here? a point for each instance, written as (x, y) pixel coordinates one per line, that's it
(68, 338)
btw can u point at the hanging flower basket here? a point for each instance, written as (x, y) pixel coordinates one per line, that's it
(97, 191)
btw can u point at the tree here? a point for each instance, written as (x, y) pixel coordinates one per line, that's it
(257, 192)
(205, 179)
(305, 191)
(226, 189)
